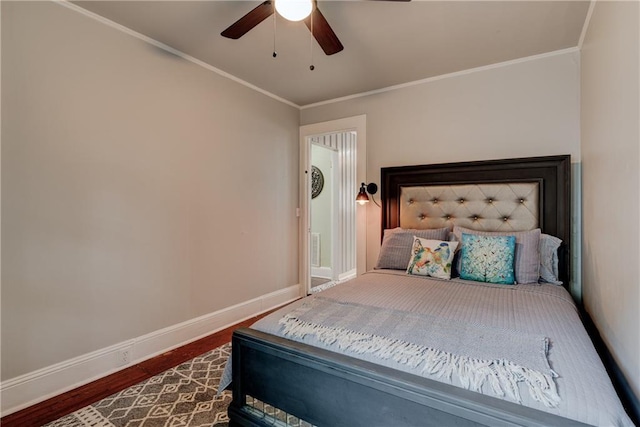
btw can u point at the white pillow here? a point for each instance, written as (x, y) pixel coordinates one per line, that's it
(431, 258)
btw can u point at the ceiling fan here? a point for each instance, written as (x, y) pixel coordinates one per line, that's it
(313, 18)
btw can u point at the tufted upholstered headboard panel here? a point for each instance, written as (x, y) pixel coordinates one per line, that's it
(494, 195)
(489, 207)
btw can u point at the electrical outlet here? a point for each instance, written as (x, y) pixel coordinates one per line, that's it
(124, 356)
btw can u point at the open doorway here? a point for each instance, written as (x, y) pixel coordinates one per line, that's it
(333, 227)
(325, 191)
(332, 209)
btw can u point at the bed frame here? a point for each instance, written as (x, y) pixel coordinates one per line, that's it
(329, 389)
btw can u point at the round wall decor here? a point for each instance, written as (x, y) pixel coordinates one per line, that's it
(317, 182)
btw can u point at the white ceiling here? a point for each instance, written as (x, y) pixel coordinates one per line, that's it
(385, 43)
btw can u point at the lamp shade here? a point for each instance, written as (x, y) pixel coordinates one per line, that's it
(294, 10)
(362, 196)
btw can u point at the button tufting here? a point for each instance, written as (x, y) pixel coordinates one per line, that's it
(475, 218)
(506, 218)
(489, 200)
(521, 201)
(435, 201)
(422, 216)
(411, 201)
(448, 217)
(461, 200)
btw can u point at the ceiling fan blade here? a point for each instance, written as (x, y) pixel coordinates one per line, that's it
(323, 33)
(248, 21)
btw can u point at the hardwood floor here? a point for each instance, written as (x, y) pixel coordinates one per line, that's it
(64, 404)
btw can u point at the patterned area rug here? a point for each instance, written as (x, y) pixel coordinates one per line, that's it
(182, 396)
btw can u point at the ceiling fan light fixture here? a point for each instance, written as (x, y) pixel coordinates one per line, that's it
(294, 10)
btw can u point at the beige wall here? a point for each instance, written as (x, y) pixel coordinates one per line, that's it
(611, 180)
(136, 186)
(138, 189)
(518, 110)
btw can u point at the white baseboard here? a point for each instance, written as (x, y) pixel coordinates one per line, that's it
(324, 272)
(347, 276)
(26, 390)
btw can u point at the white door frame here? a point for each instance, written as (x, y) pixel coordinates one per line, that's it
(336, 252)
(357, 124)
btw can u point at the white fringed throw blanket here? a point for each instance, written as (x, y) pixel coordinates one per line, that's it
(474, 354)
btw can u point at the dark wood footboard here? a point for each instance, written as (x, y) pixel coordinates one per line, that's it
(329, 389)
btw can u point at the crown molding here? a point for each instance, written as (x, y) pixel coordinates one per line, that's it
(446, 76)
(585, 27)
(176, 52)
(180, 54)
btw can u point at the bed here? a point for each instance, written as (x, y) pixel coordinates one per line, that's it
(428, 351)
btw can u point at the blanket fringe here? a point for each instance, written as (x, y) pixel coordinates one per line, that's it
(501, 375)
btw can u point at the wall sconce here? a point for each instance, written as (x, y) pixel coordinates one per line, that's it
(363, 197)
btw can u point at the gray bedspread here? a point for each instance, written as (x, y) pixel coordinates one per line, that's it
(584, 389)
(474, 354)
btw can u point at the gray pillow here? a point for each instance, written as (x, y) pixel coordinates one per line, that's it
(549, 259)
(395, 252)
(527, 264)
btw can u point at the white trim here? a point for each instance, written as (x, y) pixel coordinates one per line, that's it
(585, 27)
(337, 255)
(103, 20)
(444, 76)
(324, 272)
(169, 49)
(315, 251)
(28, 389)
(348, 275)
(68, 4)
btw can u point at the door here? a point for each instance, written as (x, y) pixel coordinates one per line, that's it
(356, 158)
(325, 222)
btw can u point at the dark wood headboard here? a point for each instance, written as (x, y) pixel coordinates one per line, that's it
(553, 173)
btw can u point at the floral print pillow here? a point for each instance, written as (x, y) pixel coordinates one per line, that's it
(431, 258)
(488, 258)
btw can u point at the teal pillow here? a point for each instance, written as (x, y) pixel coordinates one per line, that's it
(488, 258)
